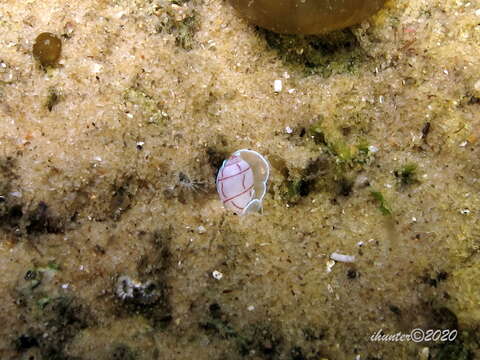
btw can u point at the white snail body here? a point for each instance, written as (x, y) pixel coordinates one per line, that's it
(242, 181)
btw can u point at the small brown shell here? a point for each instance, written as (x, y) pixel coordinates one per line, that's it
(306, 16)
(47, 49)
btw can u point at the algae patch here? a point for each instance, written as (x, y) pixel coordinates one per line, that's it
(326, 55)
(151, 110)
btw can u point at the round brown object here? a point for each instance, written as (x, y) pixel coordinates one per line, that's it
(47, 48)
(306, 16)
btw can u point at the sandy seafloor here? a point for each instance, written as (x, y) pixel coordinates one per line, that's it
(108, 164)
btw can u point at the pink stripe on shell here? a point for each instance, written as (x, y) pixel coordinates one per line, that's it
(232, 161)
(231, 176)
(238, 207)
(237, 195)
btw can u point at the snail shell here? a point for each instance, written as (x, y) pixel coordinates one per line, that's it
(306, 16)
(242, 181)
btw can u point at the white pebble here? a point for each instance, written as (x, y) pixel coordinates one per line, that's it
(277, 86)
(251, 308)
(16, 194)
(217, 275)
(288, 130)
(342, 258)
(330, 264)
(201, 229)
(120, 14)
(96, 68)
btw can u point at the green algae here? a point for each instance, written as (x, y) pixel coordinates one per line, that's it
(407, 174)
(152, 110)
(326, 55)
(383, 205)
(334, 142)
(183, 29)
